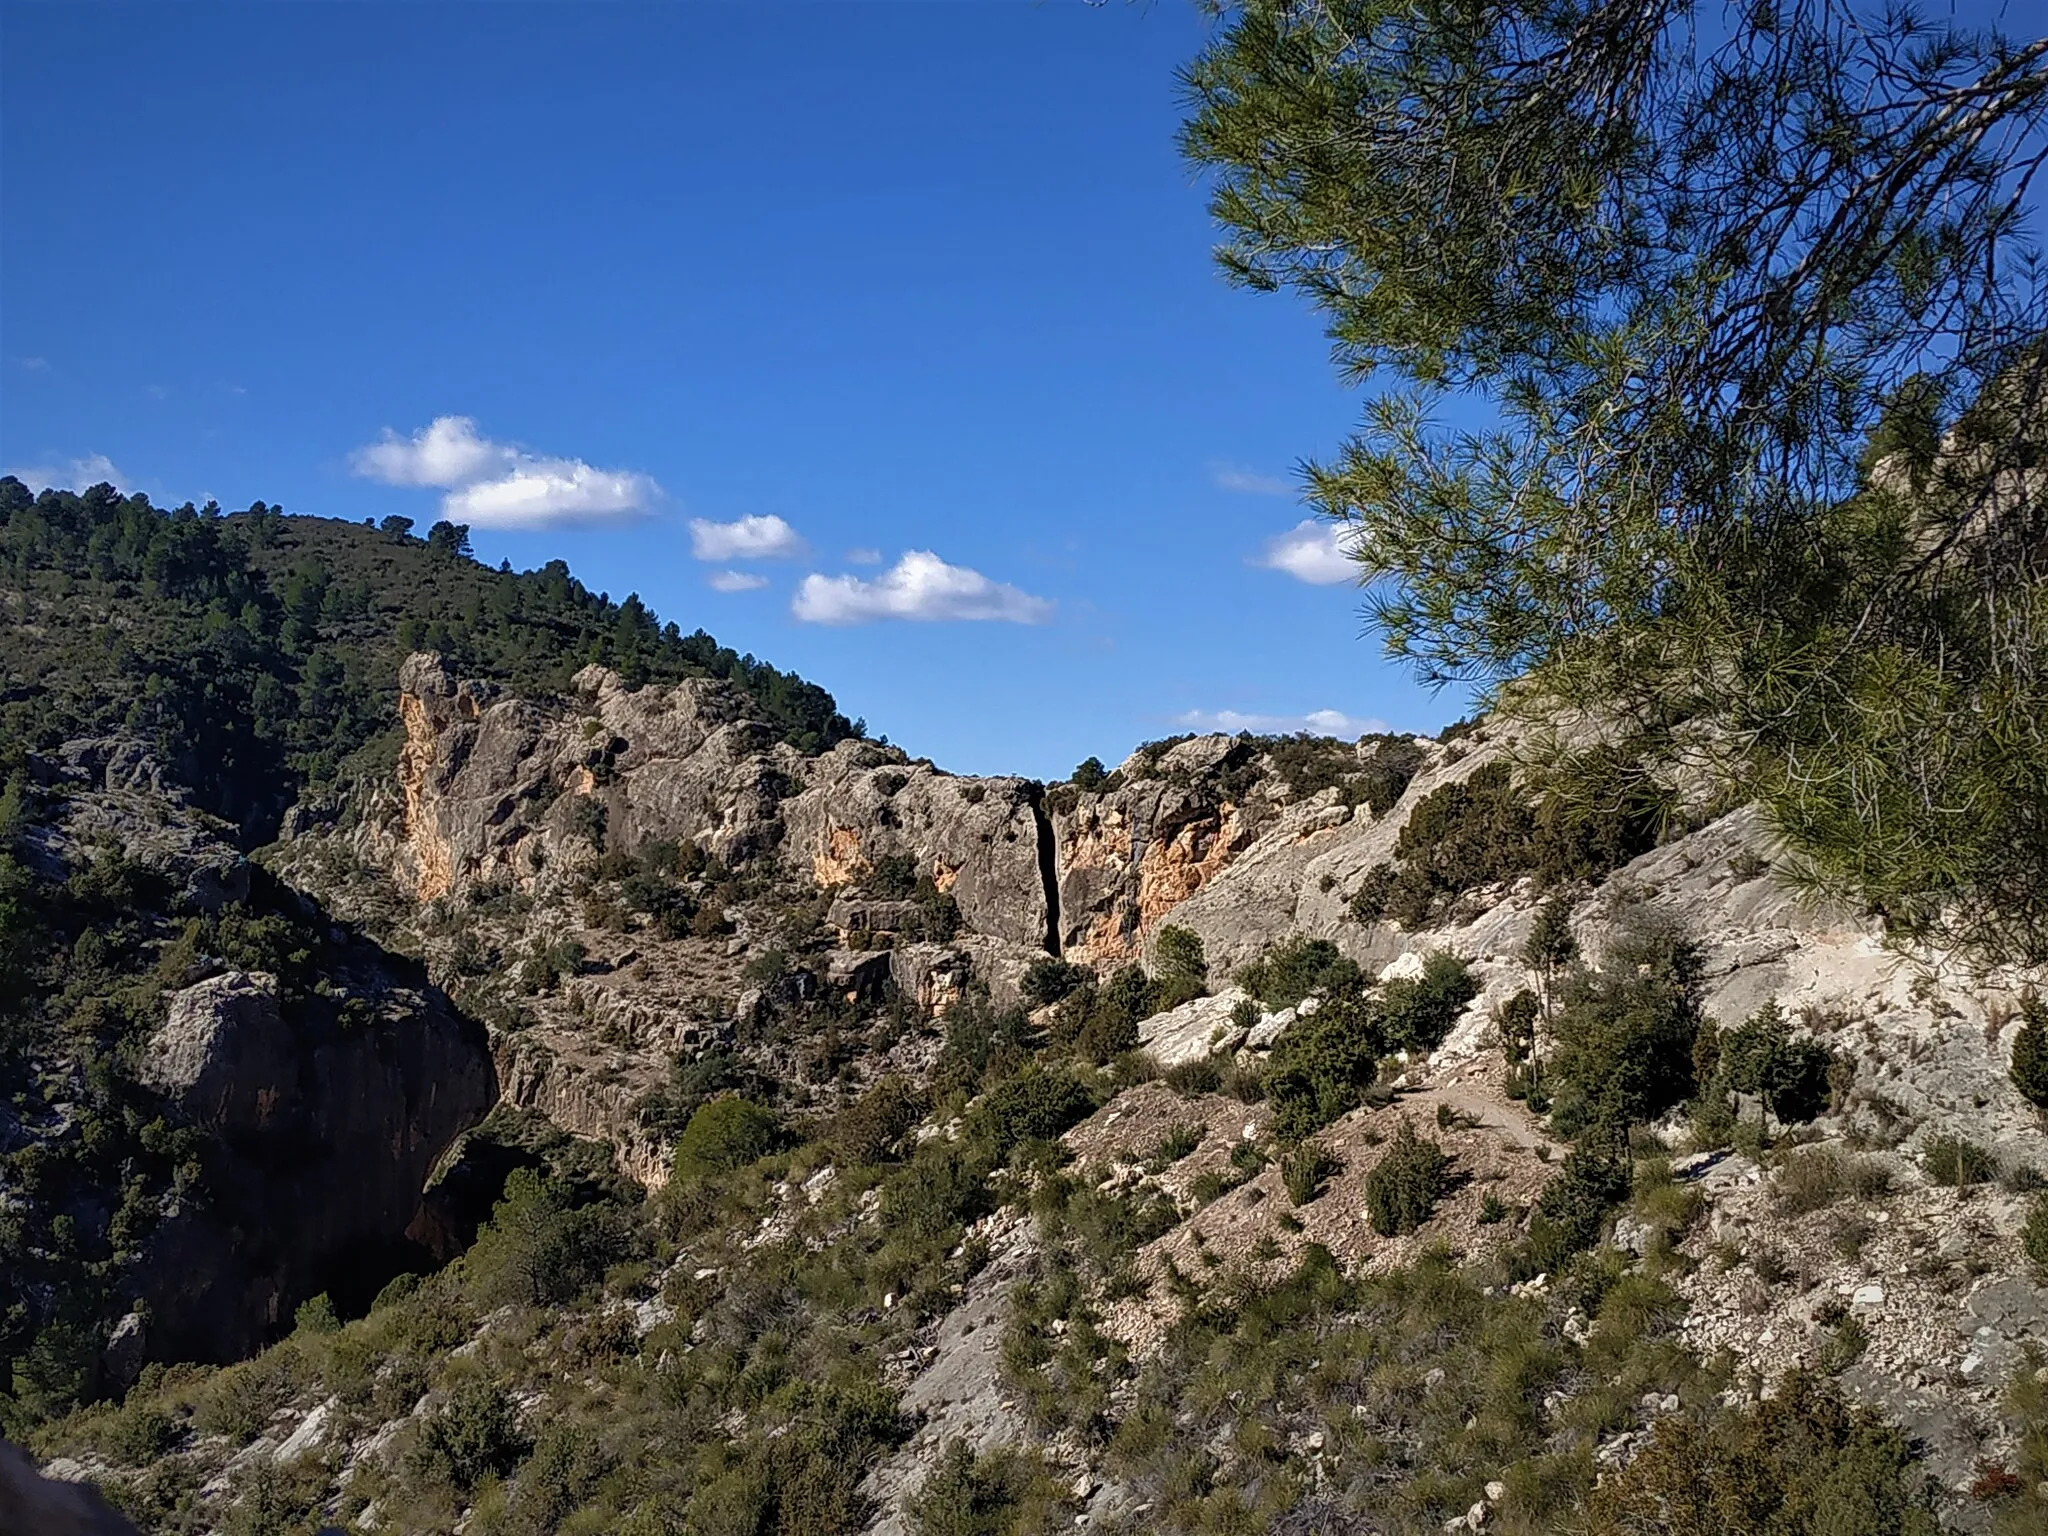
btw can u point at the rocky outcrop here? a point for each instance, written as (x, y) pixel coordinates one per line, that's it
(495, 790)
(323, 1133)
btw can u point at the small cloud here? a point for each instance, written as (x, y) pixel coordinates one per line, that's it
(1317, 722)
(735, 581)
(447, 452)
(863, 557)
(1315, 551)
(545, 491)
(34, 364)
(748, 538)
(157, 391)
(498, 485)
(1234, 477)
(70, 474)
(920, 587)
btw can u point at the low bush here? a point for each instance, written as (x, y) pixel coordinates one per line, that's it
(1303, 1170)
(1952, 1161)
(1625, 1032)
(1322, 1066)
(725, 1134)
(867, 1130)
(1051, 980)
(1176, 1144)
(1179, 956)
(1294, 969)
(1191, 1079)
(472, 1435)
(1035, 1105)
(1416, 1012)
(1801, 1463)
(1002, 1492)
(1404, 1186)
(2029, 1070)
(1572, 1209)
(2034, 1235)
(1814, 1179)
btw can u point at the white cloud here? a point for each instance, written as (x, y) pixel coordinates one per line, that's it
(748, 538)
(34, 364)
(919, 586)
(1318, 722)
(447, 452)
(735, 581)
(498, 485)
(863, 557)
(547, 491)
(1315, 551)
(70, 474)
(1234, 477)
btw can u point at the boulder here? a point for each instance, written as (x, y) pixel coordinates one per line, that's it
(324, 1133)
(224, 1058)
(1199, 1028)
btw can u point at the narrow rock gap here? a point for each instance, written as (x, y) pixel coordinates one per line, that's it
(1048, 868)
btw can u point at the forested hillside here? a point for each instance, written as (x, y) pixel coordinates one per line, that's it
(258, 652)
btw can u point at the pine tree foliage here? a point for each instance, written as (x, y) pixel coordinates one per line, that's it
(1751, 318)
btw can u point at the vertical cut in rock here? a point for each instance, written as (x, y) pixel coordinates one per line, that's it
(1048, 868)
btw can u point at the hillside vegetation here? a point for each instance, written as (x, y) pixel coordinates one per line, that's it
(258, 653)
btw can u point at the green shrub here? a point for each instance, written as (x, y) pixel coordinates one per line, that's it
(1304, 1168)
(1572, 1208)
(1050, 980)
(982, 1045)
(938, 1189)
(1192, 1078)
(139, 1434)
(472, 1435)
(1246, 1013)
(2030, 1051)
(1293, 969)
(1788, 1077)
(993, 1494)
(1035, 1105)
(1625, 1033)
(1322, 1066)
(1814, 1179)
(540, 1248)
(1405, 1185)
(1088, 774)
(1417, 1012)
(2034, 1235)
(1802, 1463)
(1176, 1144)
(1516, 1022)
(893, 877)
(867, 1130)
(239, 1401)
(1952, 1161)
(725, 1134)
(316, 1315)
(1178, 952)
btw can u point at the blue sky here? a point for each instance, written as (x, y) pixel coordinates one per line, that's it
(881, 341)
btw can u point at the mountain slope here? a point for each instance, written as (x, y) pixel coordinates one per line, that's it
(258, 653)
(1279, 1135)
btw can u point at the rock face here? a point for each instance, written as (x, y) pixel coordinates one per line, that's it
(324, 1135)
(493, 789)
